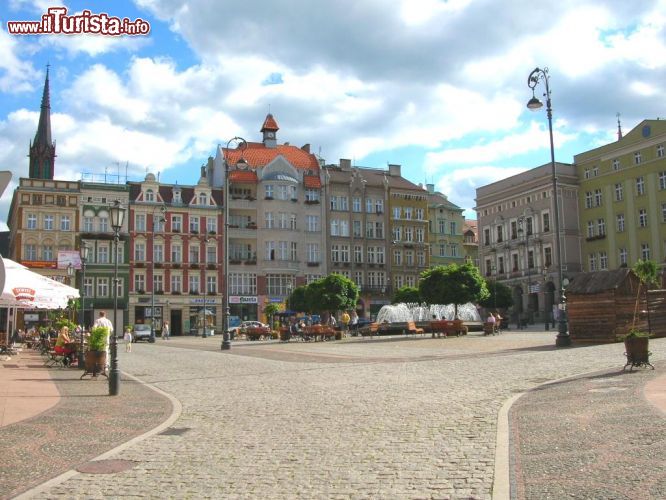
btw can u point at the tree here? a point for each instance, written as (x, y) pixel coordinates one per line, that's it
(452, 284)
(297, 300)
(271, 310)
(330, 294)
(499, 295)
(646, 271)
(407, 294)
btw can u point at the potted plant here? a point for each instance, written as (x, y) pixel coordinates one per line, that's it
(95, 360)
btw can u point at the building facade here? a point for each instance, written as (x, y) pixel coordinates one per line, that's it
(622, 199)
(446, 225)
(517, 236)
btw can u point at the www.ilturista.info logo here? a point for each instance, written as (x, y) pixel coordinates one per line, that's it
(23, 293)
(57, 22)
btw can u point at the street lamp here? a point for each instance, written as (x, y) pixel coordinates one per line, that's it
(84, 250)
(546, 312)
(522, 229)
(242, 144)
(493, 270)
(563, 339)
(161, 220)
(117, 218)
(205, 309)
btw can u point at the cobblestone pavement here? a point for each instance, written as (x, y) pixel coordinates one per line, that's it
(399, 418)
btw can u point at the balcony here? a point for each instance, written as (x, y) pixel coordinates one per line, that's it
(288, 265)
(241, 203)
(313, 264)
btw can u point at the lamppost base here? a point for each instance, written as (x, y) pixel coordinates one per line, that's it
(81, 360)
(563, 338)
(226, 342)
(114, 382)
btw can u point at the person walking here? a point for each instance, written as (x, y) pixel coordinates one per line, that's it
(345, 322)
(128, 339)
(165, 331)
(354, 322)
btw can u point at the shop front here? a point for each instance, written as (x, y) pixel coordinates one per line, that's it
(244, 307)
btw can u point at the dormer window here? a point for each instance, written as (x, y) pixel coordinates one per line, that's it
(150, 195)
(176, 196)
(203, 199)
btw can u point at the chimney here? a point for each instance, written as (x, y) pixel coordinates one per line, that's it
(345, 164)
(430, 188)
(203, 171)
(306, 148)
(394, 170)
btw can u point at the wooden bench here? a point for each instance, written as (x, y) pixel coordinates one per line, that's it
(257, 333)
(411, 328)
(317, 332)
(446, 327)
(370, 330)
(490, 329)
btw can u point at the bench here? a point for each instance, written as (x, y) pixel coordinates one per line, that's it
(411, 328)
(490, 329)
(371, 329)
(446, 327)
(257, 333)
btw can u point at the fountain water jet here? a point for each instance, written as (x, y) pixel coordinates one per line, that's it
(404, 312)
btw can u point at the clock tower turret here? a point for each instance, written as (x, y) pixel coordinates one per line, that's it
(269, 129)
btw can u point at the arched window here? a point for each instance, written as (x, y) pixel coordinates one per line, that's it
(203, 199)
(150, 195)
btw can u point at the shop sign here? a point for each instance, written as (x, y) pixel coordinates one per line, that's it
(277, 300)
(237, 299)
(201, 301)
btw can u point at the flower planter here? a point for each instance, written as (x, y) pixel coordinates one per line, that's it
(95, 363)
(636, 350)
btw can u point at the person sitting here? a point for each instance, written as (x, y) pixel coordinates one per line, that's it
(491, 324)
(64, 346)
(498, 321)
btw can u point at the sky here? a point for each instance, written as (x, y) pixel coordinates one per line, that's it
(438, 87)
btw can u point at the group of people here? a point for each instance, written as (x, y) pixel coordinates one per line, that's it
(495, 319)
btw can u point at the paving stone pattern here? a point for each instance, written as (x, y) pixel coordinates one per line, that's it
(405, 418)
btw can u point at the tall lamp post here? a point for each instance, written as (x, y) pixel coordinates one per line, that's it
(117, 218)
(84, 250)
(161, 220)
(493, 271)
(538, 74)
(242, 144)
(522, 229)
(205, 283)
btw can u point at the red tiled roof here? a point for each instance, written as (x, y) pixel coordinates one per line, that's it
(242, 176)
(270, 124)
(258, 155)
(311, 181)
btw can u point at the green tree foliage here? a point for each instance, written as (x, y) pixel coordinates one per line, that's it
(499, 295)
(297, 300)
(332, 293)
(407, 294)
(271, 310)
(452, 284)
(647, 273)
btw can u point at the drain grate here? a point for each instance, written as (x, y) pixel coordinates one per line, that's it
(106, 466)
(174, 431)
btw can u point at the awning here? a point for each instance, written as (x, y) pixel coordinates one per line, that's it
(28, 290)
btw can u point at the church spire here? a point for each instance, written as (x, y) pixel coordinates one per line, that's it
(42, 149)
(619, 128)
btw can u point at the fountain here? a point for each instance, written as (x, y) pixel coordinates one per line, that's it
(404, 312)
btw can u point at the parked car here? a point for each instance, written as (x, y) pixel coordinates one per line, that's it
(141, 332)
(237, 330)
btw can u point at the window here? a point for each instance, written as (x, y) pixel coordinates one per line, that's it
(419, 214)
(358, 278)
(408, 213)
(312, 223)
(586, 175)
(662, 180)
(420, 259)
(176, 253)
(311, 194)
(379, 206)
(279, 284)
(592, 262)
(103, 224)
(312, 250)
(597, 198)
(616, 164)
(48, 222)
(619, 223)
(356, 204)
(193, 283)
(588, 199)
(453, 228)
(268, 191)
(158, 252)
(194, 254)
(637, 158)
(211, 284)
(176, 223)
(514, 230)
(211, 224)
(499, 234)
(47, 252)
(282, 220)
(369, 205)
(158, 283)
(514, 259)
(623, 256)
(590, 228)
(139, 251)
(203, 199)
(30, 251)
(663, 212)
(420, 235)
(140, 222)
(88, 287)
(645, 251)
(356, 229)
(211, 254)
(32, 221)
(269, 221)
(619, 192)
(102, 254)
(603, 260)
(150, 195)
(409, 258)
(176, 283)
(409, 234)
(344, 203)
(601, 227)
(242, 283)
(64, 223)
(547, 257)
(139, 282)
(397, 211)
(88, 226)
(344, 253)
(270, 250)
(102, 287)
(358, 254)
(546, 222)
(640, 186)
(500, 265)
(595, 171)
(642, 218)
(486, 237)
(660, 151)
(194, 225)
(397, 257)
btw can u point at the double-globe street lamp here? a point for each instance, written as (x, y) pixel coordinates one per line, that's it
(117, 218)
(84, 250)
(541, 75)
(524, 230)
(242, 145)
(161, 219)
